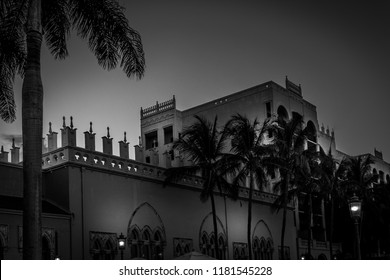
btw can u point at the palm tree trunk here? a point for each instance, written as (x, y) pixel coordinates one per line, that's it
(249, 229)
(216, 247)
(285, 202)
(32, 106)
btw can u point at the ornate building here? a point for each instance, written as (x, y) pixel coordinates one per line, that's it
(91, 197)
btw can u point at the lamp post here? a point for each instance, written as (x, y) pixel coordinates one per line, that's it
(355, 209)
(121, 244)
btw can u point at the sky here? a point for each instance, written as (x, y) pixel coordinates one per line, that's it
(339, 51)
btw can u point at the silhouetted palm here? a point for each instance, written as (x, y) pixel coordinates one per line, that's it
(310, 177)
(335, 172)
(362, 182)
(203, 145)
(360, 177)
(23, 26)
(249, 154)
(288, 147)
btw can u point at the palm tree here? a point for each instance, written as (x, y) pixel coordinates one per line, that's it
(248, 154)
(361, 181)
(288, 147)
(203, 144)
(24, 24)
(308, 184)
(335, 172)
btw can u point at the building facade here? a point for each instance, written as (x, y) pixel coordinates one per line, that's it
(91, 197)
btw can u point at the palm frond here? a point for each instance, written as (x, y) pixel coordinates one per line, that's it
(12, 54)
(7, 102)
(56, 25)
(110, 37)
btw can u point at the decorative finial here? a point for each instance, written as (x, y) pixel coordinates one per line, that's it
(63, 122)
(13, 143)
(71, 122)
(50, 131)
(90, 127)
(124, 140)
(108, 132)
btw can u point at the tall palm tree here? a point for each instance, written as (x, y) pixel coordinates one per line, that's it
(288, 147)
(361, 181)
(360, 177)
(248, 154)
(24, 24)
(335, 172)
(204, 144)
(308, 184)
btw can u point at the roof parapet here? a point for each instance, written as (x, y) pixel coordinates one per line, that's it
(158, 108)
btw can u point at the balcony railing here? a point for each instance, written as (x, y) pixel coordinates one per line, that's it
(158, 108)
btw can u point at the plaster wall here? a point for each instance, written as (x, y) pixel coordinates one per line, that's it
(113, 204)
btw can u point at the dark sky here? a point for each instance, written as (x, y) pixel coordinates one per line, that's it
(202, 50)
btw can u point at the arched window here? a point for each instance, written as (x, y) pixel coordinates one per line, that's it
(263, 249)
(96, 250)
(311, 136)
(212, 246)
(269, 250)
(205, 244)
(134, 241)
(381, 177)
(222, 247)
(375, 175)
(109, 252)
(374, 172)
(243, 255)
(157, 246)
(282, 113)
(178, 251)
(236, 254)
(146, 246)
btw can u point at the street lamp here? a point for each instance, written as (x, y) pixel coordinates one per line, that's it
(355, 209)
(122, 244)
